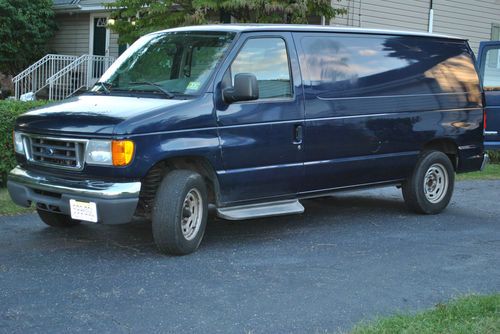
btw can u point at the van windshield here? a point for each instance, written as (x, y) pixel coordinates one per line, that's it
(167, 64)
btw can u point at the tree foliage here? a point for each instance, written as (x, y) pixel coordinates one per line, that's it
(134, 18)
(25, 28)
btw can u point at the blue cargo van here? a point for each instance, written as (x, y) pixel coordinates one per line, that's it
(251, 119)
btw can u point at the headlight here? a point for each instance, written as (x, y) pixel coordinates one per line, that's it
(109, 152)
(18, 143)
(99, 152)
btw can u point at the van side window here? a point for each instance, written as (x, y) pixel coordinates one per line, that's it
(491, 74)
(349, 66)
(267, 59)
(328, 60)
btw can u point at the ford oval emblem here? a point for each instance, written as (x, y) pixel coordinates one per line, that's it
(49, 151)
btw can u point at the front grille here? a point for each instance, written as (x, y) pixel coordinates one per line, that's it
(56, 152)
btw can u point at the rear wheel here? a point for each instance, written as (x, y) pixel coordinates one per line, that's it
(56, 219)
(430, 187)
(179, 214)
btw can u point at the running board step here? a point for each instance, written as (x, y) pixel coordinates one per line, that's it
(261, 210)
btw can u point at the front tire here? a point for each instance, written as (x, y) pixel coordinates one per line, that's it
(179, 214)
(56, 219)
(430, 187)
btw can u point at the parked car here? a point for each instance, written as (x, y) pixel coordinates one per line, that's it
(252, 119)
(489, 68)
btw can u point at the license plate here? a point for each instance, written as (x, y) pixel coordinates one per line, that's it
(83, 210)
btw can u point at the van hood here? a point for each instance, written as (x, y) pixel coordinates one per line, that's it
(91, 114)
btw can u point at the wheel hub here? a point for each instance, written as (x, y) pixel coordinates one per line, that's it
(192, 214)
(436, 183)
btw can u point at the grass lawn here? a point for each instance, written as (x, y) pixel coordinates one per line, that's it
(491, 172)
(9, 208)
(467, 315)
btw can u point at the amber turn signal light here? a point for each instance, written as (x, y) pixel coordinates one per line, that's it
(123, 152)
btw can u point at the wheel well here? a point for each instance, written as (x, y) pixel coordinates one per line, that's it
(154, 176)
(447, 146)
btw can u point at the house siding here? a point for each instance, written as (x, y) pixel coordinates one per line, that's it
(113, 44)
(465, 18)
(384, 14)
(407, 15)
(72, 37)
(471, 19)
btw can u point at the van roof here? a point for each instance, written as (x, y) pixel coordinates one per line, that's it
(253, 27)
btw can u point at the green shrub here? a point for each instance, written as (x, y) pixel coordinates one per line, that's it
(494, 157)
(9, 110)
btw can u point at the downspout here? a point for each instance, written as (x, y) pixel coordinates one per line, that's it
(431, 16)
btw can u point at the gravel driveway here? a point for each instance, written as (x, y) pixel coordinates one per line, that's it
(349, 257)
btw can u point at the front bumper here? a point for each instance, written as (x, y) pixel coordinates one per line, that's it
(116, 202)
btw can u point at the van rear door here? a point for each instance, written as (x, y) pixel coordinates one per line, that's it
(489, 69)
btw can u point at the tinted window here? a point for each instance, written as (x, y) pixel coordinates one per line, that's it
(267, 59)
(349, 66)
(334, 59)
(491, 75)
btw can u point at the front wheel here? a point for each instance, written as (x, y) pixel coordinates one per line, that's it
(179, 215)
(428, 190)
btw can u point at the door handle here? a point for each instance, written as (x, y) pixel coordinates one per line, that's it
(298, 134)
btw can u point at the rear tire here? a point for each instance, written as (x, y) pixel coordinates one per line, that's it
(56, 219)
(179, 214)
(430, 187)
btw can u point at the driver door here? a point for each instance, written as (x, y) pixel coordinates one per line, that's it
(261, 140)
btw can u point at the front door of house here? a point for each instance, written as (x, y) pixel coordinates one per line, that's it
(100, 36)
(100, 44)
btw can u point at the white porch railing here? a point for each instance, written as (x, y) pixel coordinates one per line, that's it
(83, 72)
(33, 79)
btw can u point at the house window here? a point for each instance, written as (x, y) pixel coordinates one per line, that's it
(102, 22)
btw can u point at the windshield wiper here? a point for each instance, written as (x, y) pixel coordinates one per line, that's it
(104, 86)
(160, 88)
